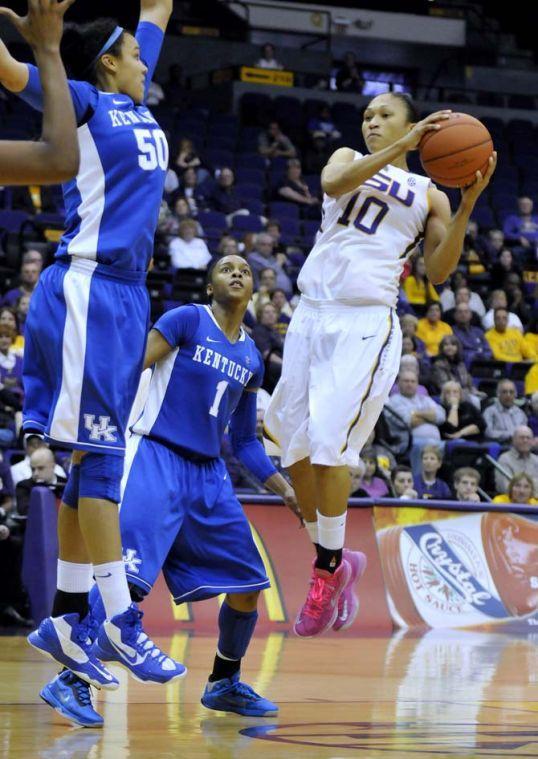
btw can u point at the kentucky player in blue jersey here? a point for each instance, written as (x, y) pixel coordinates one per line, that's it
(179, 512)
(87, 326)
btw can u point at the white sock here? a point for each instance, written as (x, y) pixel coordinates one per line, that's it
(112, 582)
(312, 529)
(332, 531)
(74, 578)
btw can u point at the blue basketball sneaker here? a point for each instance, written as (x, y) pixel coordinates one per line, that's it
(123, 640)
(66, 640)
(231, 695)
(70, 696)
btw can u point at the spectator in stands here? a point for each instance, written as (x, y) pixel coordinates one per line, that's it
(224, 197)
(466, 482)
(449, 365)
(273, 143)
(22, 470)
(28, 278)
(498, 299)
(431, 329)
(323, 126)
(263, 258)
(504, 265)
(516, 300)
(21, 309)
(10, 362)
(519, 458)
(190, 189)
(533, 415)
(474, 254)
(472, 339)
(420, 412)
(410, 361)
(494, 243)
(262, 295)
(295, 189)
(464, 295)
(283, 310)
(42, 465)
(169, 221)
(188, 158)
(409, 324)
(531, 380)
(503, 416)
(463, 420)
(522, 227)
(9, 318)
(417, 287)
(427, 484)
(228, 246)
(402, 483)
(371, 483)
(521, 489)
(267, 59)
(270, 344)
(187, 251)
(10, 406)
(273, 228)
(507, 344)
(33, 256)
(348, 77)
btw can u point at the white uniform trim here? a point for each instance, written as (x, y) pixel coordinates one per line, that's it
(66, 418)
(91, 186)
(157, 390)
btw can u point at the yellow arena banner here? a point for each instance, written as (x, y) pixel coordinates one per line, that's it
(266, 76)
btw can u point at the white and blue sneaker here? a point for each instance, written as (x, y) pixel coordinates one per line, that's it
(66, 640)
(123, 640)
(70, 696)
(231, 695)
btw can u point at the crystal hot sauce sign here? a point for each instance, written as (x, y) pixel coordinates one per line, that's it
(477, 569)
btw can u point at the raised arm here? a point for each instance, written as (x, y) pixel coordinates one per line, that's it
(55, 158)
(344, 174)
(157, 12)
(445, 234)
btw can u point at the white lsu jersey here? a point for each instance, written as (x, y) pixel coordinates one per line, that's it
(365, 238)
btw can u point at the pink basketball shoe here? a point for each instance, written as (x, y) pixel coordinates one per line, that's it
(321, 606)
(348, 603)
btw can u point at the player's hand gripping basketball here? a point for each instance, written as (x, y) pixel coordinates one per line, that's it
(43, 24)
(412, 140)
(469, 194)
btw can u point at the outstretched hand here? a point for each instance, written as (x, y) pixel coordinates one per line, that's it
(470, 194)
(42, 26)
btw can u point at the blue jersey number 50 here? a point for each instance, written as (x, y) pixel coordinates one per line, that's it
(153, 149)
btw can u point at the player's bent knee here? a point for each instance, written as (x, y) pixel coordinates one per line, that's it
(243, 601)
(100, 476)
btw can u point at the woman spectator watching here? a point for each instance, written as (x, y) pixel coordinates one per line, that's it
(463, 420)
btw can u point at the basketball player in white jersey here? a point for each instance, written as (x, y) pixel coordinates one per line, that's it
(343, 346)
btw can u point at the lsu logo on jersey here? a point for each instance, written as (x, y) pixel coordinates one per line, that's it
(386, 184)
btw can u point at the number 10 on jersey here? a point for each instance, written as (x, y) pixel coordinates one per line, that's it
(368, 216)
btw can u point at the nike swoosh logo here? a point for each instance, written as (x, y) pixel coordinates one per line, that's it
(136, 659)
(119, 102)
(104, 576)
(210, 340)
(368, 337)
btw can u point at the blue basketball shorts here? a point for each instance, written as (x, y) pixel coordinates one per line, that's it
(183, 517)
(85, 338)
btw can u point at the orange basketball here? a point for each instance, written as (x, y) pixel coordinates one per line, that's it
(453, 154)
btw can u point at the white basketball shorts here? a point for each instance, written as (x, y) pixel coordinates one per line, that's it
(340, 363)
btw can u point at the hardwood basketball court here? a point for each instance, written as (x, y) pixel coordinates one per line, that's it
(445, 693)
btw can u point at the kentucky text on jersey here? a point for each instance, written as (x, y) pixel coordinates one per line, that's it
(214, 359)
(112, 205)
(196, 388)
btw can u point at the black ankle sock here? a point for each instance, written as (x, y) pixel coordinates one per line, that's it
(69, 603)
(224, 668)
(328, 558)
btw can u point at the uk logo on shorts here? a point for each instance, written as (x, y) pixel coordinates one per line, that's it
(131, 560)
(102, 430)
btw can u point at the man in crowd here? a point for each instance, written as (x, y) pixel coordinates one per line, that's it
(42, 465)
(503, 416)
(466, 482)
(518, 459)
(22, 470)
(472, 339)
(263, 258)
(507, 343)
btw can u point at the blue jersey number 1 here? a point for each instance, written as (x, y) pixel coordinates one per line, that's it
(221, 389)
